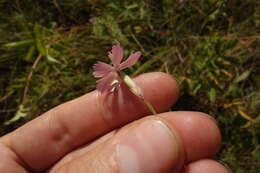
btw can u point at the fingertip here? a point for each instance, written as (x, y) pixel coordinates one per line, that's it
(205, 166)
(159, 88)
(199, 133)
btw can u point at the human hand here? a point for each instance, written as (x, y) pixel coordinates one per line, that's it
(97, 134)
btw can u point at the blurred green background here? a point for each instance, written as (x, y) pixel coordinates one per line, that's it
(48, 47)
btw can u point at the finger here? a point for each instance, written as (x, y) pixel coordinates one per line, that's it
(9, 162)
(199, 132)
(44, 140)
(148, 145)
(205, 166)
(176, 121)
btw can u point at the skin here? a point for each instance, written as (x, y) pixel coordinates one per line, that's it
(112, 134)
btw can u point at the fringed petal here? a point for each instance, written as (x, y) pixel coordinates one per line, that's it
(108, 83)
(132, 59)
(116, 54)
(100, 69)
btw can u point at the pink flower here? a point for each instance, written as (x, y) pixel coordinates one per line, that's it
(90, 20)
(110, 74)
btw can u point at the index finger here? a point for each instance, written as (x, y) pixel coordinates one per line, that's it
(43, 141)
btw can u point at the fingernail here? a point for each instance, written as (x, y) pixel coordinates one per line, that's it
(213, 119)
(150, 147)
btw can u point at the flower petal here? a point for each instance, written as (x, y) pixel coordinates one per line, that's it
(116, 54)
(100, 69)
(109, 82)
(131, 60)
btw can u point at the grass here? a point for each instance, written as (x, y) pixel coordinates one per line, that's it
(210, 46)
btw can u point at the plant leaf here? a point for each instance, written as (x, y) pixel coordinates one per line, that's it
(22, 112)
(242, 77)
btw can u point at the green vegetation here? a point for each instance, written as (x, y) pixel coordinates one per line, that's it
(47, 49)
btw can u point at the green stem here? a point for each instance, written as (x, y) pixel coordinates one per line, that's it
(150, 107)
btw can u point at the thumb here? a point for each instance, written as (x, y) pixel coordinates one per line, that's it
(148, 145)
(151, 146)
